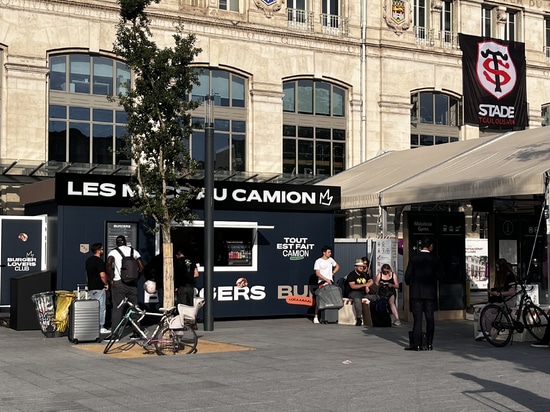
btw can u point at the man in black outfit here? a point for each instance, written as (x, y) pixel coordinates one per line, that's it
(185, 272)
(422, 274)
(98, 282)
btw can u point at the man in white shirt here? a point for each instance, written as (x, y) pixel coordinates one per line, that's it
(119, 289)
(325, 267)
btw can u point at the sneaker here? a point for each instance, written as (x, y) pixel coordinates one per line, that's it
(359, 322)
(104, 331)
(316, 320)
(539, 344)
(480, 336)
(397, 323)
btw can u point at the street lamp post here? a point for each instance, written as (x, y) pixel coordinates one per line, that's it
(208, 212)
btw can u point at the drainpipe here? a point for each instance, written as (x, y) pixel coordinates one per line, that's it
(363, 88)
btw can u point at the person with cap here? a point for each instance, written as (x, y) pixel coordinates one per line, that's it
(119, 289)
(359, 283)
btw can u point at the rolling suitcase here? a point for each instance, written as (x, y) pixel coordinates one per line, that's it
(328, 315)
(84, 318)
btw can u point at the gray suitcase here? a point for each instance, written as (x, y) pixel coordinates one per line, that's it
(329, 315)
(84, 320)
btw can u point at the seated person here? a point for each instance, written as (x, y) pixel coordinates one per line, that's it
(359, 283)
(387, 284)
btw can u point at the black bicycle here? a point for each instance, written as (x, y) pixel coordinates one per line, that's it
(498, 323)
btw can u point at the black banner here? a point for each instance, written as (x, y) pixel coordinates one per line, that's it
(103, 190)
(493, 81)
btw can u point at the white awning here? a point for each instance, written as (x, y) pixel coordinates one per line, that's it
(511, 164)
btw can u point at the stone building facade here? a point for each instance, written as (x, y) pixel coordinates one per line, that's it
(301, 86)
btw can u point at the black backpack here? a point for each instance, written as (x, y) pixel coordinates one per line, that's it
(343, 284)
(129, 271)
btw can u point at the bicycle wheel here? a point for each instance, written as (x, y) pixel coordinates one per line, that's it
(496, 325)
(187, 339)
(116, 334)
(534, 320)
(165, 341)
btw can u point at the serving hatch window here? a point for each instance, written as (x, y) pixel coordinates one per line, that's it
(235, 244)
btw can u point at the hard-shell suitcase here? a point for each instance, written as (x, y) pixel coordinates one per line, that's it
(328, 315)
(84, 319)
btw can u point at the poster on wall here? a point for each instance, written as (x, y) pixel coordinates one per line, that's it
(386, 252)
(477, 259)
(22, 249)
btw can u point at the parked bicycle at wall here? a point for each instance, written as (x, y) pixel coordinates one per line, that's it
(498, 323)
(169, 336)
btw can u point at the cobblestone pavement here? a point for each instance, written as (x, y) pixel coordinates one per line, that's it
(296, 366)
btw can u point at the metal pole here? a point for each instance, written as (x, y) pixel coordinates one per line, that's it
(208, 212)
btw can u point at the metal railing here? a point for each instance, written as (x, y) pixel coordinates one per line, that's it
(334, 24)
(449, 40)
(300, 19)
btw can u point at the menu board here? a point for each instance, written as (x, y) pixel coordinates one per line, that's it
(126, 229)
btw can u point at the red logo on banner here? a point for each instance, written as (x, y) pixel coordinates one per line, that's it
(496, 72)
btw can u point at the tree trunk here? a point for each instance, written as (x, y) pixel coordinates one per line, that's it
(168, 272)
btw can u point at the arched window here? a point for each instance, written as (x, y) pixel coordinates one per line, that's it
(545, 114)
(85, 127)
(228, 90)
(434, 118)
(314, 127)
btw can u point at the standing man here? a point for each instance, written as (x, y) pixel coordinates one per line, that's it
(185, 273)
(325, 267)
(421, 275)
(119, 289)
(360, 283)
(98, 282)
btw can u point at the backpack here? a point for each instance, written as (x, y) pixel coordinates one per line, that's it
(343, 284)
(129, 271)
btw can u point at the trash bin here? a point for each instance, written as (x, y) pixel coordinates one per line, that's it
(63, 300)
(52, 310)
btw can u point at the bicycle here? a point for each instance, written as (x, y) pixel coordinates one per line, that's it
(169, 336)
(498, 325)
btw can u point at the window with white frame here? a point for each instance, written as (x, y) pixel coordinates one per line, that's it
(447, 35)
(83, 125)
(487, 19)
(420, 21)
(332, 21)
(298, 15)
(434, 118)
(511, 27)
(229, 5)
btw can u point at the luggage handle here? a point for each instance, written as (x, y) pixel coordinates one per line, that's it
(82, 286)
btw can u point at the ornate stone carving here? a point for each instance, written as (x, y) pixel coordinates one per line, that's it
(269, 6)
(397, 14)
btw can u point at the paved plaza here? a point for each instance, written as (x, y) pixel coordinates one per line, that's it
(295, 366)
